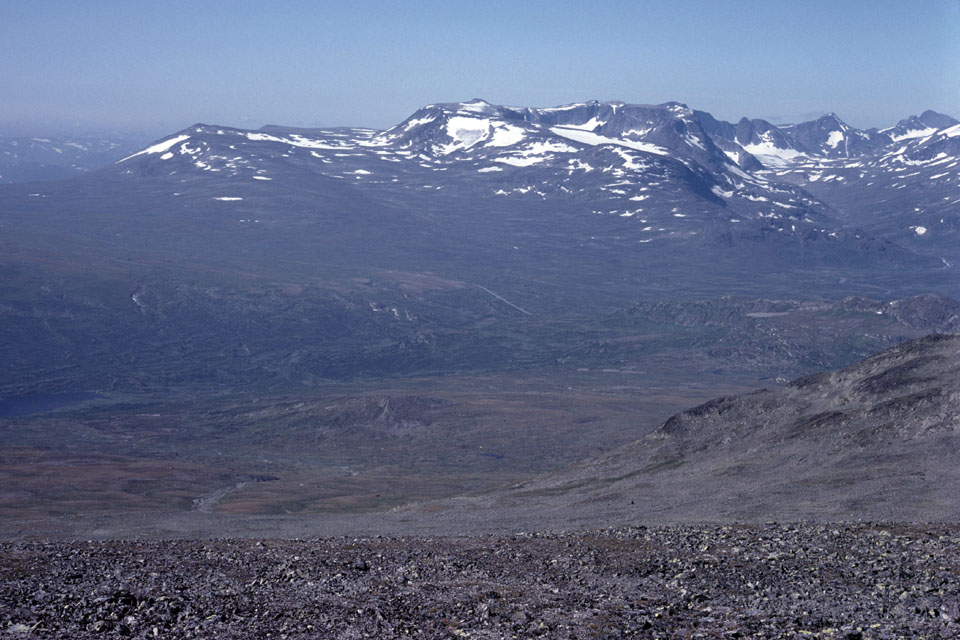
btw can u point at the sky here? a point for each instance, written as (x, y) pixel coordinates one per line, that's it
(159, 66)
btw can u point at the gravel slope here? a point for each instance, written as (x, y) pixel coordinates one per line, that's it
(766, 581)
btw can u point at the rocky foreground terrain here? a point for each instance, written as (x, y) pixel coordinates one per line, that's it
(873, 443)
(762, 581)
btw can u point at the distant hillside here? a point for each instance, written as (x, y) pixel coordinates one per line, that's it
(41, 159)
(877, 441)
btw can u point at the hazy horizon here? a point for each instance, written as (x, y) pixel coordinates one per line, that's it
(106, 65)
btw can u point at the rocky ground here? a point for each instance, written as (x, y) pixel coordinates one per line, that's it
(762, 581)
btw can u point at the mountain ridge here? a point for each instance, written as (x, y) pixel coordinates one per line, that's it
(612, 155)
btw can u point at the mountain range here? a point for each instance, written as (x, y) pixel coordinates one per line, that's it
(311, 254)
(669, 168)
(56, 157)
(472, 295)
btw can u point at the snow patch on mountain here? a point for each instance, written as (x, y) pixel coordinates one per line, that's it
(549, 147)
(535, 153)
(718, 191)
(506, 136)
(594, 139)
(466, 132)
(521, 161)
(416, 122)
(771, 155)
(160, 147)
(693, 141)
(914, 133)
(296, 140)
(630, 162)
(951, 132)
(592, 124)
(477, 106)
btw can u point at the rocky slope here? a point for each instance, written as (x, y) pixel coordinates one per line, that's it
(879, 440)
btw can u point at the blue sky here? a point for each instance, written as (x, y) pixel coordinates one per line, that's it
(162, 65)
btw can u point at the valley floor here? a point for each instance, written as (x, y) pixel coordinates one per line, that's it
(768, 581)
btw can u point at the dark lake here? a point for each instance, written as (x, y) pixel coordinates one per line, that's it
(42, 402)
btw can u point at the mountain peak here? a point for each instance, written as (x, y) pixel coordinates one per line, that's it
(478, 105)
(937, 120)
(833, 120)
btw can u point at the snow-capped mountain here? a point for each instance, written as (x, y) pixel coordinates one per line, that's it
(655, 166)
(927, 123)
(830, 137)
(667, 178)
(670, 171)
(827, 137)
(901, 182)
